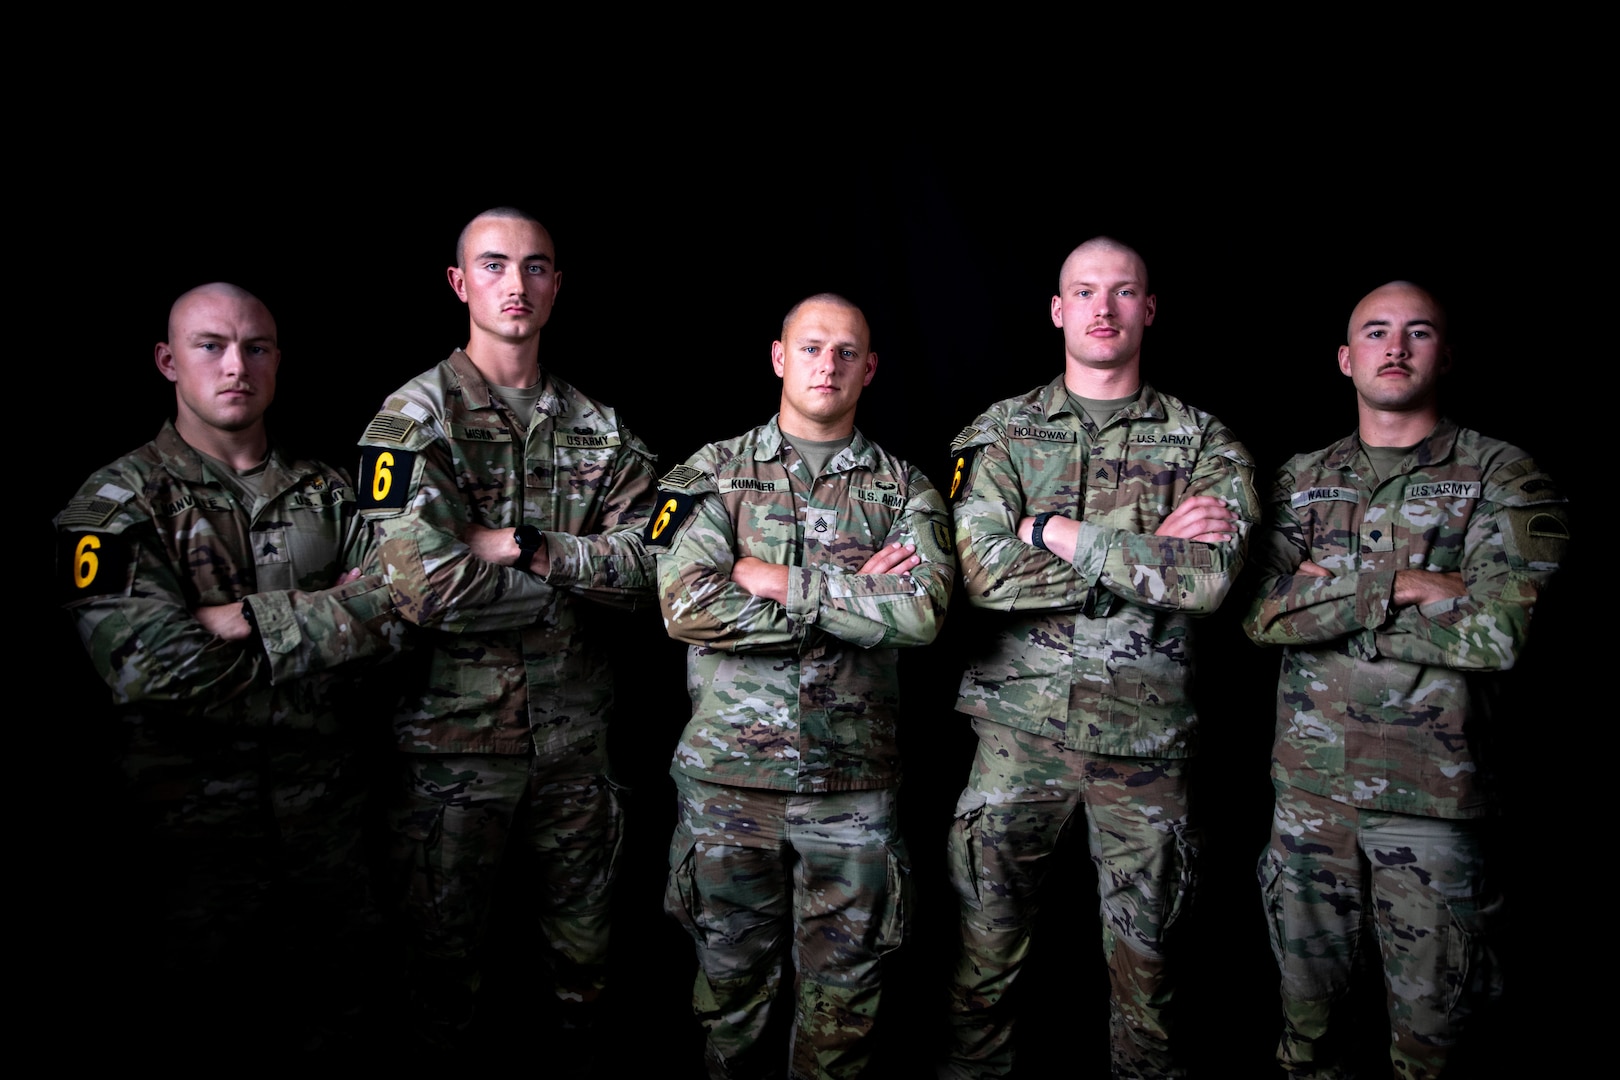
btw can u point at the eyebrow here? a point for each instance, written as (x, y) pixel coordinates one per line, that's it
(1410, 322)
(538, 256)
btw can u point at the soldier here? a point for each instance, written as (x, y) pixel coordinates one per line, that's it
(502, 497)
(205, 573)
(1399, 569)
(1101, 516)
(794, 560)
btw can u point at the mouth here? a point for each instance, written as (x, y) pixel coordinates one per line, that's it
(1103, 330)
(1394, 369)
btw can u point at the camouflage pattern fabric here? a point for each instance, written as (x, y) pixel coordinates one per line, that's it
(811, 888)
(1421, 883)
(509, 671)
(800, 699)
(461, 816)
(1016, 813)
(1373, 699)
(803, 696)
(1384, 711)
(1096, 654)
(245, 823)
(155, 535)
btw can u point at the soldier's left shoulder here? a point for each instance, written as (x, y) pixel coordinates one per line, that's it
(1213, 437)
(584, 421)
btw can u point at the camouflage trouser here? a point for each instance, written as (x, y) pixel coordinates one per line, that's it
(460, 815)
(1421, 882)
(749, 868)
(1020, 800)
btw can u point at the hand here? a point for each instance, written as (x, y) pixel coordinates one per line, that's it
(895, 558)
(1310, 569)
(224, 621)
(1204, 518)
(347, 576)
(757, 577)
(1426, 586)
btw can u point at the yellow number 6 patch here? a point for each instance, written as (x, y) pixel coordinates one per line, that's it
(85, 562)
(381, 473)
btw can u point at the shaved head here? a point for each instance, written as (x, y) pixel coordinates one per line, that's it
(510, 213)
(1397, 290)
(826, 298)
(221, 289)
(1101, 244)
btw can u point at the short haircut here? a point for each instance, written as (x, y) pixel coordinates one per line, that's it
(512, 213)
(1108, 243)
(828, 298)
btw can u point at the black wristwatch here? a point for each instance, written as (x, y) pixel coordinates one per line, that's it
(528, 540)
(1040, 527)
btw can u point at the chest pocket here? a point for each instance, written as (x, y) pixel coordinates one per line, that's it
(489, 474)
(582, 464)
(1330, 523)
(1436, 526)
(767, 524)
(301, 547)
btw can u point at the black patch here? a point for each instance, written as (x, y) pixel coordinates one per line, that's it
(385, 477)
(673, 506)
(92, 564)
(960, 463)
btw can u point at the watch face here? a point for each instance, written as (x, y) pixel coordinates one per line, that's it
(527, 537)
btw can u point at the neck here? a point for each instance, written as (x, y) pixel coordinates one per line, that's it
(1103, 384)
(795, 426)
(505, 363)
(238, 449)
(1381, 428)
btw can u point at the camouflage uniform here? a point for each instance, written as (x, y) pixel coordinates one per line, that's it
(508, 735)
(1082, 698)
(239, 755)
(791, 751)
(1380, 724)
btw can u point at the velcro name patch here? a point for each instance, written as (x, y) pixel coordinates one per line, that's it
(1323, 494)
(1445, 489)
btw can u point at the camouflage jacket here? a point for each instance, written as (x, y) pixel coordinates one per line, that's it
(1379, 706)
(154, 535)
(1095, 654)
(801, 697)
(508, 666)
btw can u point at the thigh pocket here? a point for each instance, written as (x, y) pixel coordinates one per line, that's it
(681, 898)
(1181, 882)
(964, 848)
(894, 925)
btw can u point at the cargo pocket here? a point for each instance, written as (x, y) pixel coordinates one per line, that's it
(963, 853)
(680, 892)
(895, 924)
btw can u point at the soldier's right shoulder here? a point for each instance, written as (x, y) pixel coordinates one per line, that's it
(679, 490)
(115, 496)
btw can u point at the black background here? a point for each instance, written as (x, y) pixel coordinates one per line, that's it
(679, 254)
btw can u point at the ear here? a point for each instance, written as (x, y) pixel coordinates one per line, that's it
(163, 356)
(778, 356)
(1344, 359)
(556, 283)
(1057, 312)
(458, 282)
(1152, 309)
(871, 369)
(1445, 360)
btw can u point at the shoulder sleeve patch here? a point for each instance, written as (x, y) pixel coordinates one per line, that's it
(88, 511)
(1521, 483)
(388, 427)
(1537, 535)
(673, 507)
(92, 564)
(385, 478)
(961, 462)
(681, 477)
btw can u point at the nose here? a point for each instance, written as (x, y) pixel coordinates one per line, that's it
(516, 280)
(231, 363)
(1396, 349)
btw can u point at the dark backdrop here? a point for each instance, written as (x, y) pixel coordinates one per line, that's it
(678, 260)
